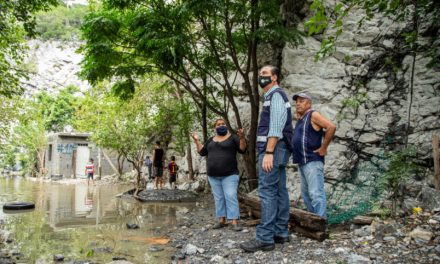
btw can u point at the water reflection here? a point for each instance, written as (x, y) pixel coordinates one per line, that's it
(70, 217)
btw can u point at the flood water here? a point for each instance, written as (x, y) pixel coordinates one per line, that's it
(69, 218)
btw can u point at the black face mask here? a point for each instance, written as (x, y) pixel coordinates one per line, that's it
(264, 81)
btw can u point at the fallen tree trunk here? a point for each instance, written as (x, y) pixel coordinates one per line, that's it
(305, 219)
(318, 235)
(305, 223)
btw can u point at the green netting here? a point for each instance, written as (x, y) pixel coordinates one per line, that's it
(352, 195)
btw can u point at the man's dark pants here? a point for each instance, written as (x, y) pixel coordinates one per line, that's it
(149, 172)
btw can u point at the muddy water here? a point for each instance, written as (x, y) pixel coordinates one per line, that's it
(70, 219)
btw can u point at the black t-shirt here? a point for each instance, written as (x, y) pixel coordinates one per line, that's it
(158, 158)
(222, 160)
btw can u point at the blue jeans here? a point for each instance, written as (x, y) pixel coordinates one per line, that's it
(275, 208)
(225, 196)
(311, 176)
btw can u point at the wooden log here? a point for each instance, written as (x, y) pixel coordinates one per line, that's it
(251, 223)
(363, 220)
(256, 213)
(305, 219)
(309, 220)
(318, 235)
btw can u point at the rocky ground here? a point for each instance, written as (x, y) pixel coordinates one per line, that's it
(414, 239)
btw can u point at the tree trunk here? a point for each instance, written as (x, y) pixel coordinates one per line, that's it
(204, 123)
(120, 164)
(189, 159)
(188, 144)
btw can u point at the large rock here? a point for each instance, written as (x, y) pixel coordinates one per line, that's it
(409, 204)
(430, 198)
(421, 236)
(357, 259)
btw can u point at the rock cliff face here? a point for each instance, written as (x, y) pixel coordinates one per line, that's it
(52, 64)
(383, 114)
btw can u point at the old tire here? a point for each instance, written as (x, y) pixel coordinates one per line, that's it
(18, 206)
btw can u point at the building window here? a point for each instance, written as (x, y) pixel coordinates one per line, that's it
(83, 145)
(50, 152)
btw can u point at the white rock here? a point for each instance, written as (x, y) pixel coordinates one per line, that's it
(339, 250)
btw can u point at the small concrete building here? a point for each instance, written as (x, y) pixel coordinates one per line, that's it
(68, 154)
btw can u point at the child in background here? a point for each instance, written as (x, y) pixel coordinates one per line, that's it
(172, 170)
(90, 169)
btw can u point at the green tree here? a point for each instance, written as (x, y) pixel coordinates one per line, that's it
(58, 109)
(123, 126)
(402, 166)
(204, 46)
(60, 22)
(8, 117)
(30, 133)
(16, 22)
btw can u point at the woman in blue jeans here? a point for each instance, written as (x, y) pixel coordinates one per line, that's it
(223, 171)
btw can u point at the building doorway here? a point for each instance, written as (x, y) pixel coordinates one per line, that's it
(82, 158)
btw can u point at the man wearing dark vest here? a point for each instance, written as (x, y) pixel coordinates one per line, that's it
(309, 150)
(273, 145)
(158, 163)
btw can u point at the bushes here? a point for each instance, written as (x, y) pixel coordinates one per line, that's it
(61, 23)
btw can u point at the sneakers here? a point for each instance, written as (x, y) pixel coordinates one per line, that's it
(255, 245)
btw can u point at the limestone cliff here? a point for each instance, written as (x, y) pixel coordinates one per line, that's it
(52, 64)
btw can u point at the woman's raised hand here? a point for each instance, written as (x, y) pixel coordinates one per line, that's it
(241, 133)
(194, 135)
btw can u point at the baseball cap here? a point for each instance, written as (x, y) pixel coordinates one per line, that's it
(303, 95)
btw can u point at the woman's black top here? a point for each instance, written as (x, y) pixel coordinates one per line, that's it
(158, 158)
(222, 160)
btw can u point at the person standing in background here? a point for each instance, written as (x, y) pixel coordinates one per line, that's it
(90, 170)
(158, 163)
(149, 163)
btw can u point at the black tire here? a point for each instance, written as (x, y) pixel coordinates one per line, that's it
(18, 206)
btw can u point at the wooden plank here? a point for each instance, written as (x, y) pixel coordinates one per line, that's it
(363, 220)
(256, 213)
(318, 235)
(305, 219)
(436, 162)
(309, 220)
(251, 223)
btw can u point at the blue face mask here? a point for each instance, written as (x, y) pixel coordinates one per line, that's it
(222, 130)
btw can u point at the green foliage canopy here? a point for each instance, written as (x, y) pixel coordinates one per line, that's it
(61, 23)
(58, 109)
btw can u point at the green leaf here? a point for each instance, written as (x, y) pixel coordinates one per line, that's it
(91, 252)
(338, 23)
(347, 58)
(81, 251)
(338, 7)
(315, 5)
(312, 29)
